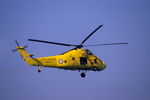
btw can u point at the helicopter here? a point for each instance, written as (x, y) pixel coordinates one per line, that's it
(75, 59)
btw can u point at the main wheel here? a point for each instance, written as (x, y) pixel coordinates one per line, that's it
(83, 75)
(95, 68)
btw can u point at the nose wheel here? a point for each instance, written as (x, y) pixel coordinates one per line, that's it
(83, 74)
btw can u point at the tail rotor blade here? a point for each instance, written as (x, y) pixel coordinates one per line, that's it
(14, 50)
(17, 43)
(17, 46)
(25, 46)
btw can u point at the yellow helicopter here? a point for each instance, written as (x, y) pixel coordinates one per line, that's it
(75, 59)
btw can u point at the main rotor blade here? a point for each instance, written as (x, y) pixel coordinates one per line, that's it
(56, 43)
(91, 33)
(106, 44)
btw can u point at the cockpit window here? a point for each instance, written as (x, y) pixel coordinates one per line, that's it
(89, 52)
(95, 61)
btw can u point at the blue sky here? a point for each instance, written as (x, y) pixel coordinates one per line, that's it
(70, 21)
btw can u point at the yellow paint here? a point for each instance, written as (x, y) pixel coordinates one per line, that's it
(70, 60)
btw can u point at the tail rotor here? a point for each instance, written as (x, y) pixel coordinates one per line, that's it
(18, 46)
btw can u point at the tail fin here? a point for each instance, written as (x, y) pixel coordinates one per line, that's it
(27, 57)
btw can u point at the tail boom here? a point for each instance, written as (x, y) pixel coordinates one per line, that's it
(28, 57)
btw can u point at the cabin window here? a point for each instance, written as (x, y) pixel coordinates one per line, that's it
(83, 61)
(65, 61)
(73, 58)
(95, 61)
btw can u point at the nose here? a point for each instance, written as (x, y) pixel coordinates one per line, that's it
(103, 65)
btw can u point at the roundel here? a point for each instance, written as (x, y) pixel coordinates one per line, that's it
(60, 61)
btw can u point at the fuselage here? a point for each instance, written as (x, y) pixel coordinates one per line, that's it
(76, 59)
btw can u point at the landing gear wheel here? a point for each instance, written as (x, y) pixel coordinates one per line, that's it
(83, 75)
(95, 69)
(39, 70)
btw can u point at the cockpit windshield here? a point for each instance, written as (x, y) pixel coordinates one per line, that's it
(89, 52)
